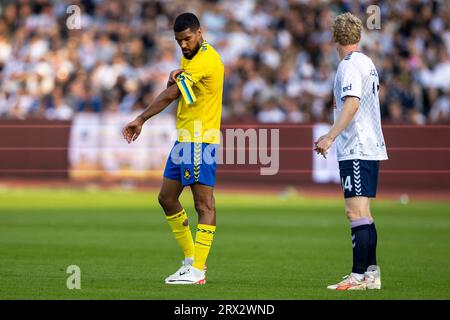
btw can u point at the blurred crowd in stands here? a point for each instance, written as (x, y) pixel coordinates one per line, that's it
(279, 59)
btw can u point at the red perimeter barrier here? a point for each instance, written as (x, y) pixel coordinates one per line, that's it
(419, 156)
(25, 153)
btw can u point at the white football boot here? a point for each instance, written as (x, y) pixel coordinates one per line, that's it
(188, 275)
(349, 282)
(372, 277)
(184, 265)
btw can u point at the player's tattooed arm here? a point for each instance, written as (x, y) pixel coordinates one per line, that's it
(349, 110)
(133, 129)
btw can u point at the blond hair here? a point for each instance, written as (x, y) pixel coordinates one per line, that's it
(347, 29)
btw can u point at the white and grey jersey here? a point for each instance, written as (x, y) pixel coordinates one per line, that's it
(363, 138)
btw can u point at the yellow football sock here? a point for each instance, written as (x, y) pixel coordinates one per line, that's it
(182, 233)
(203, 241)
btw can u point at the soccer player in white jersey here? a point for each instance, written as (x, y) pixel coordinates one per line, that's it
(359, 145)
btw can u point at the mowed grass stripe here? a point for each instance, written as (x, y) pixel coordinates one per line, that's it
(266, 247)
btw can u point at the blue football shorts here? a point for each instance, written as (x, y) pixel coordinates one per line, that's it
(192, 162)
(359, 178)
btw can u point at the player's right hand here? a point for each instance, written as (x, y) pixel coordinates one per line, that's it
(132, 130)
(322, 145)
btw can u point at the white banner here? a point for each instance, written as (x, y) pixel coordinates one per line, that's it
(84, 145)
(324, 170)
(97, 147)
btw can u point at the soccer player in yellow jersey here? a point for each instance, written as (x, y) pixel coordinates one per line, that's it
(198, 85)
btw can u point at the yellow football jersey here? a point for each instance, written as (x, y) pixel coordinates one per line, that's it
(200, 107)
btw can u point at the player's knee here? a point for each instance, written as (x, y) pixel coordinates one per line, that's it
(353, 213)
(204, 207)
(166, 201)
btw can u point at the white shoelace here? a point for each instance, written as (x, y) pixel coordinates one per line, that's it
(349, 278)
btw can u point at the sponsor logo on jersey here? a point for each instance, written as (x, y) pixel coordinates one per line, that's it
(347, 88)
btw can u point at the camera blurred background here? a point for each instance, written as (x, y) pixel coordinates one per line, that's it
(280, 61)
(66, 90)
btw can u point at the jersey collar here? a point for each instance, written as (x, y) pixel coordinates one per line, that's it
(347, 57)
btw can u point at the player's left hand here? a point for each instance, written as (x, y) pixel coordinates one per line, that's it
(323, 144)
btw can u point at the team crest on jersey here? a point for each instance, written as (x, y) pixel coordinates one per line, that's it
(187, 174)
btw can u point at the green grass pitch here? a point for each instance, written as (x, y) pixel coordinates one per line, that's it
(266, 247)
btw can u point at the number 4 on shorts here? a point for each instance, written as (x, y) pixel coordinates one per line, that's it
(347, 185)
